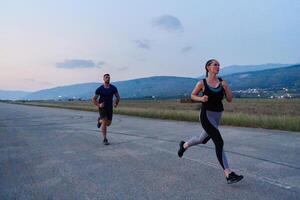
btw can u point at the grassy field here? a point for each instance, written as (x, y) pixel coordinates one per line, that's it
(282, 114)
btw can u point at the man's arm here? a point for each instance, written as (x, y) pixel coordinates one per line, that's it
(94, 100)
(117, 99)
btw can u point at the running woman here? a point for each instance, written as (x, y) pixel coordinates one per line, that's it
(213, 89)
(103, 99)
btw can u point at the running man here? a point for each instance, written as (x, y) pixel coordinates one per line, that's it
(103, 99)
(213, 89)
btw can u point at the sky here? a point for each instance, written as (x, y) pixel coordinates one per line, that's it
(49, 43)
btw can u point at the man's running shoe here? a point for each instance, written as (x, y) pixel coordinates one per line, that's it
(181, 149)
(233, 178)
(105, 142)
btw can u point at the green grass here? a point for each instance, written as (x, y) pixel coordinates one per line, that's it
(281, 114)
(290, 123)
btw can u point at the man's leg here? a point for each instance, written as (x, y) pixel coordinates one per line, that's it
(108, 123)
(102, 115)
(103, 128)
(105, 123)
(109, 113)
(99, 122)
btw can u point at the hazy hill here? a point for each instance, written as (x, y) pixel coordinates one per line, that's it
(171, 86)
(12, 95)
(84, 90)
(233, 69)
(159, 86)
(288, 77)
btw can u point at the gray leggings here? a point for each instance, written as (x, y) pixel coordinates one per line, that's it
(214, 120)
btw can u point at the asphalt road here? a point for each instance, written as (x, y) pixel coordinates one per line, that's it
(48, 153)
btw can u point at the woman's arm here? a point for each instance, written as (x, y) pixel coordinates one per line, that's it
(198, 88)
(228, 93)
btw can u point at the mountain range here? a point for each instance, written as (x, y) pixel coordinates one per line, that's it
(233, 69)
(13, 95)
(281, 76)
(274, 79)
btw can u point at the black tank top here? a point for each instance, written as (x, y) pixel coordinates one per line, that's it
(215, 97)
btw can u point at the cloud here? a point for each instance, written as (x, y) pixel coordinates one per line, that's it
(101, 64)
(186, 49)
(143, 44)
(78, 63)
(168, 22)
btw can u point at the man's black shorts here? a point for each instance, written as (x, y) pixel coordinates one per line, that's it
(106, 113)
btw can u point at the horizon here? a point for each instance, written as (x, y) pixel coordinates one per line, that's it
(83, 40)
(145, 77)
